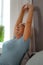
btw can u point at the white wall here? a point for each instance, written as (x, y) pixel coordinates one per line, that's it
(13, 15)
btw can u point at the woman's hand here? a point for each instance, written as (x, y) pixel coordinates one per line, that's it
(30, 6)
(24, 8)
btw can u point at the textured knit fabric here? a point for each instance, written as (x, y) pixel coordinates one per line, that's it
(36, 59)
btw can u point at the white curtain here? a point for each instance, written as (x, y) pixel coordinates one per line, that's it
(5, 17)
(1, 12)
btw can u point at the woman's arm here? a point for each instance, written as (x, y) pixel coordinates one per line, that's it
(27, 30)
(20, 18)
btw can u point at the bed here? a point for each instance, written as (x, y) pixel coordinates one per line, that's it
(37, 59)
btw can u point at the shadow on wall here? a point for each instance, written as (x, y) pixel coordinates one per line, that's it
(38, 34)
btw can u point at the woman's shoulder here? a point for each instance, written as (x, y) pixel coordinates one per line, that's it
(22, 40)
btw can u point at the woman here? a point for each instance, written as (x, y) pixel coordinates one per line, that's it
(21, 29)
(14, 49)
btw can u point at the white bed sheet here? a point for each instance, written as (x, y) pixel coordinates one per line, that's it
(36, 59)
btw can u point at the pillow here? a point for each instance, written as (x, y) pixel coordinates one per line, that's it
(37, 59)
